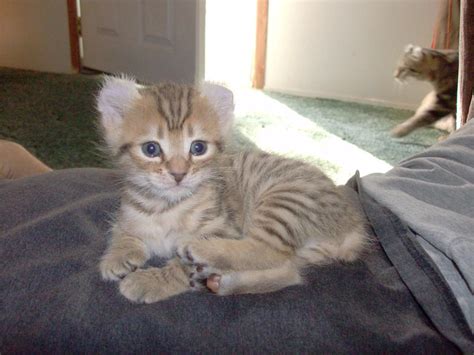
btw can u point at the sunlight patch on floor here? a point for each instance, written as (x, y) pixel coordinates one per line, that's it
(274, 127)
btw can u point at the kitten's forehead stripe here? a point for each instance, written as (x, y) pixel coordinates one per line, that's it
(174, 103)
(220, 146)
(124, 148)
(160, 133)
(179, 104)
(190, 130)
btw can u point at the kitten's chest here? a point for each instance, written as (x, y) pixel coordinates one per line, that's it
(160, 231)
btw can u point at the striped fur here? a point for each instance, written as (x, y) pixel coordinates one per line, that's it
(249, 222)
(173, 102)
(440, 69)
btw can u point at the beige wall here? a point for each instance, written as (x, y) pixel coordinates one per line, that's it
(346, 49)
(34, 35)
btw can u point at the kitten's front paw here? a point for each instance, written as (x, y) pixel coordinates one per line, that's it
(114, 266)
(144, 286)
(400, 131)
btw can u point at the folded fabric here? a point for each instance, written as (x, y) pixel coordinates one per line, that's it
(433, 193)
(53, 230)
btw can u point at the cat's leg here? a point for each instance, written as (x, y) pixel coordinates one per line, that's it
(428, 113)
(156, 284)
(250, 281)
(123, 255)
(447, 124)
(232, 254)
(420, 119)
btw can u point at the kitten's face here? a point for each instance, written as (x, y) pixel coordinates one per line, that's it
(419, 63)
(412, 64)
(167, 140)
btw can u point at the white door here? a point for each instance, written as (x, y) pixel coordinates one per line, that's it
(153, 40)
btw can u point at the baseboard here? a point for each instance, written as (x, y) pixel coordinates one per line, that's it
(369, 101)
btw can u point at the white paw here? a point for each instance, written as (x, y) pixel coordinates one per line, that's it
(400, 131)
(114, 266)
(144, 286)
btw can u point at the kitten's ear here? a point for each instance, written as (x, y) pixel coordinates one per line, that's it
(114, 99)
(409, 48)
(222, 100)
(414, 51)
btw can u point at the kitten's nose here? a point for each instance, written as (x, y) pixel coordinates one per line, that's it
(178, 176)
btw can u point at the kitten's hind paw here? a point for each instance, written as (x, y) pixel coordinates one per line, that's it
(192, 254)
(205, 278)
(214, 282)
(204, 252)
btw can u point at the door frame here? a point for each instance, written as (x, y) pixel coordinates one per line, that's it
(73, 21)
(259, 65)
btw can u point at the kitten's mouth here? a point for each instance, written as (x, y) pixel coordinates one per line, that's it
(179, 187)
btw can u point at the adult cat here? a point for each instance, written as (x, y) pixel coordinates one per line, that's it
(440, 69)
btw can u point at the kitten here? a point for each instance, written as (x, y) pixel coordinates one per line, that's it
(440, 68)
(229, 223)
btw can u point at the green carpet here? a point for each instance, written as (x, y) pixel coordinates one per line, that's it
(53, 116)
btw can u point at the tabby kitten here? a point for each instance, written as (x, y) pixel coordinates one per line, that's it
(440, 68)
(228, 223)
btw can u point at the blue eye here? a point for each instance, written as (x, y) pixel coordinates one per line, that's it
(151, 149)
(198, 148)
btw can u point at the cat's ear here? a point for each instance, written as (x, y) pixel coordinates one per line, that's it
(115, 97)
(414, 51)
(222, 100)
(409, 48)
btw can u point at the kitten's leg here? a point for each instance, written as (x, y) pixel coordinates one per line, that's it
(123, 255)
(156, 284)
(251, 281)
(428, 113)
(232, 254)
(447, 124)
(420, 119)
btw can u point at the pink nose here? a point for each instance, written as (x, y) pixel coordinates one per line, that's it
(178, 176)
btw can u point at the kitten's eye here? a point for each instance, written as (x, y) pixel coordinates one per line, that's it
(198, 148)
(151, 149)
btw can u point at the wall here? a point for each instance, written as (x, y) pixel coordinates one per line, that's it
(34, 34)
(346, 49)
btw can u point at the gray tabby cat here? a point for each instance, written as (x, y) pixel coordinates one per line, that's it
(440, 69)
(228, 223)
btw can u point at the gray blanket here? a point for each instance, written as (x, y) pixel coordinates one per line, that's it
(433, 193)
(53, 229)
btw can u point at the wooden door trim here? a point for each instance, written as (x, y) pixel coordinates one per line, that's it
(258, 80)
(73, 35)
